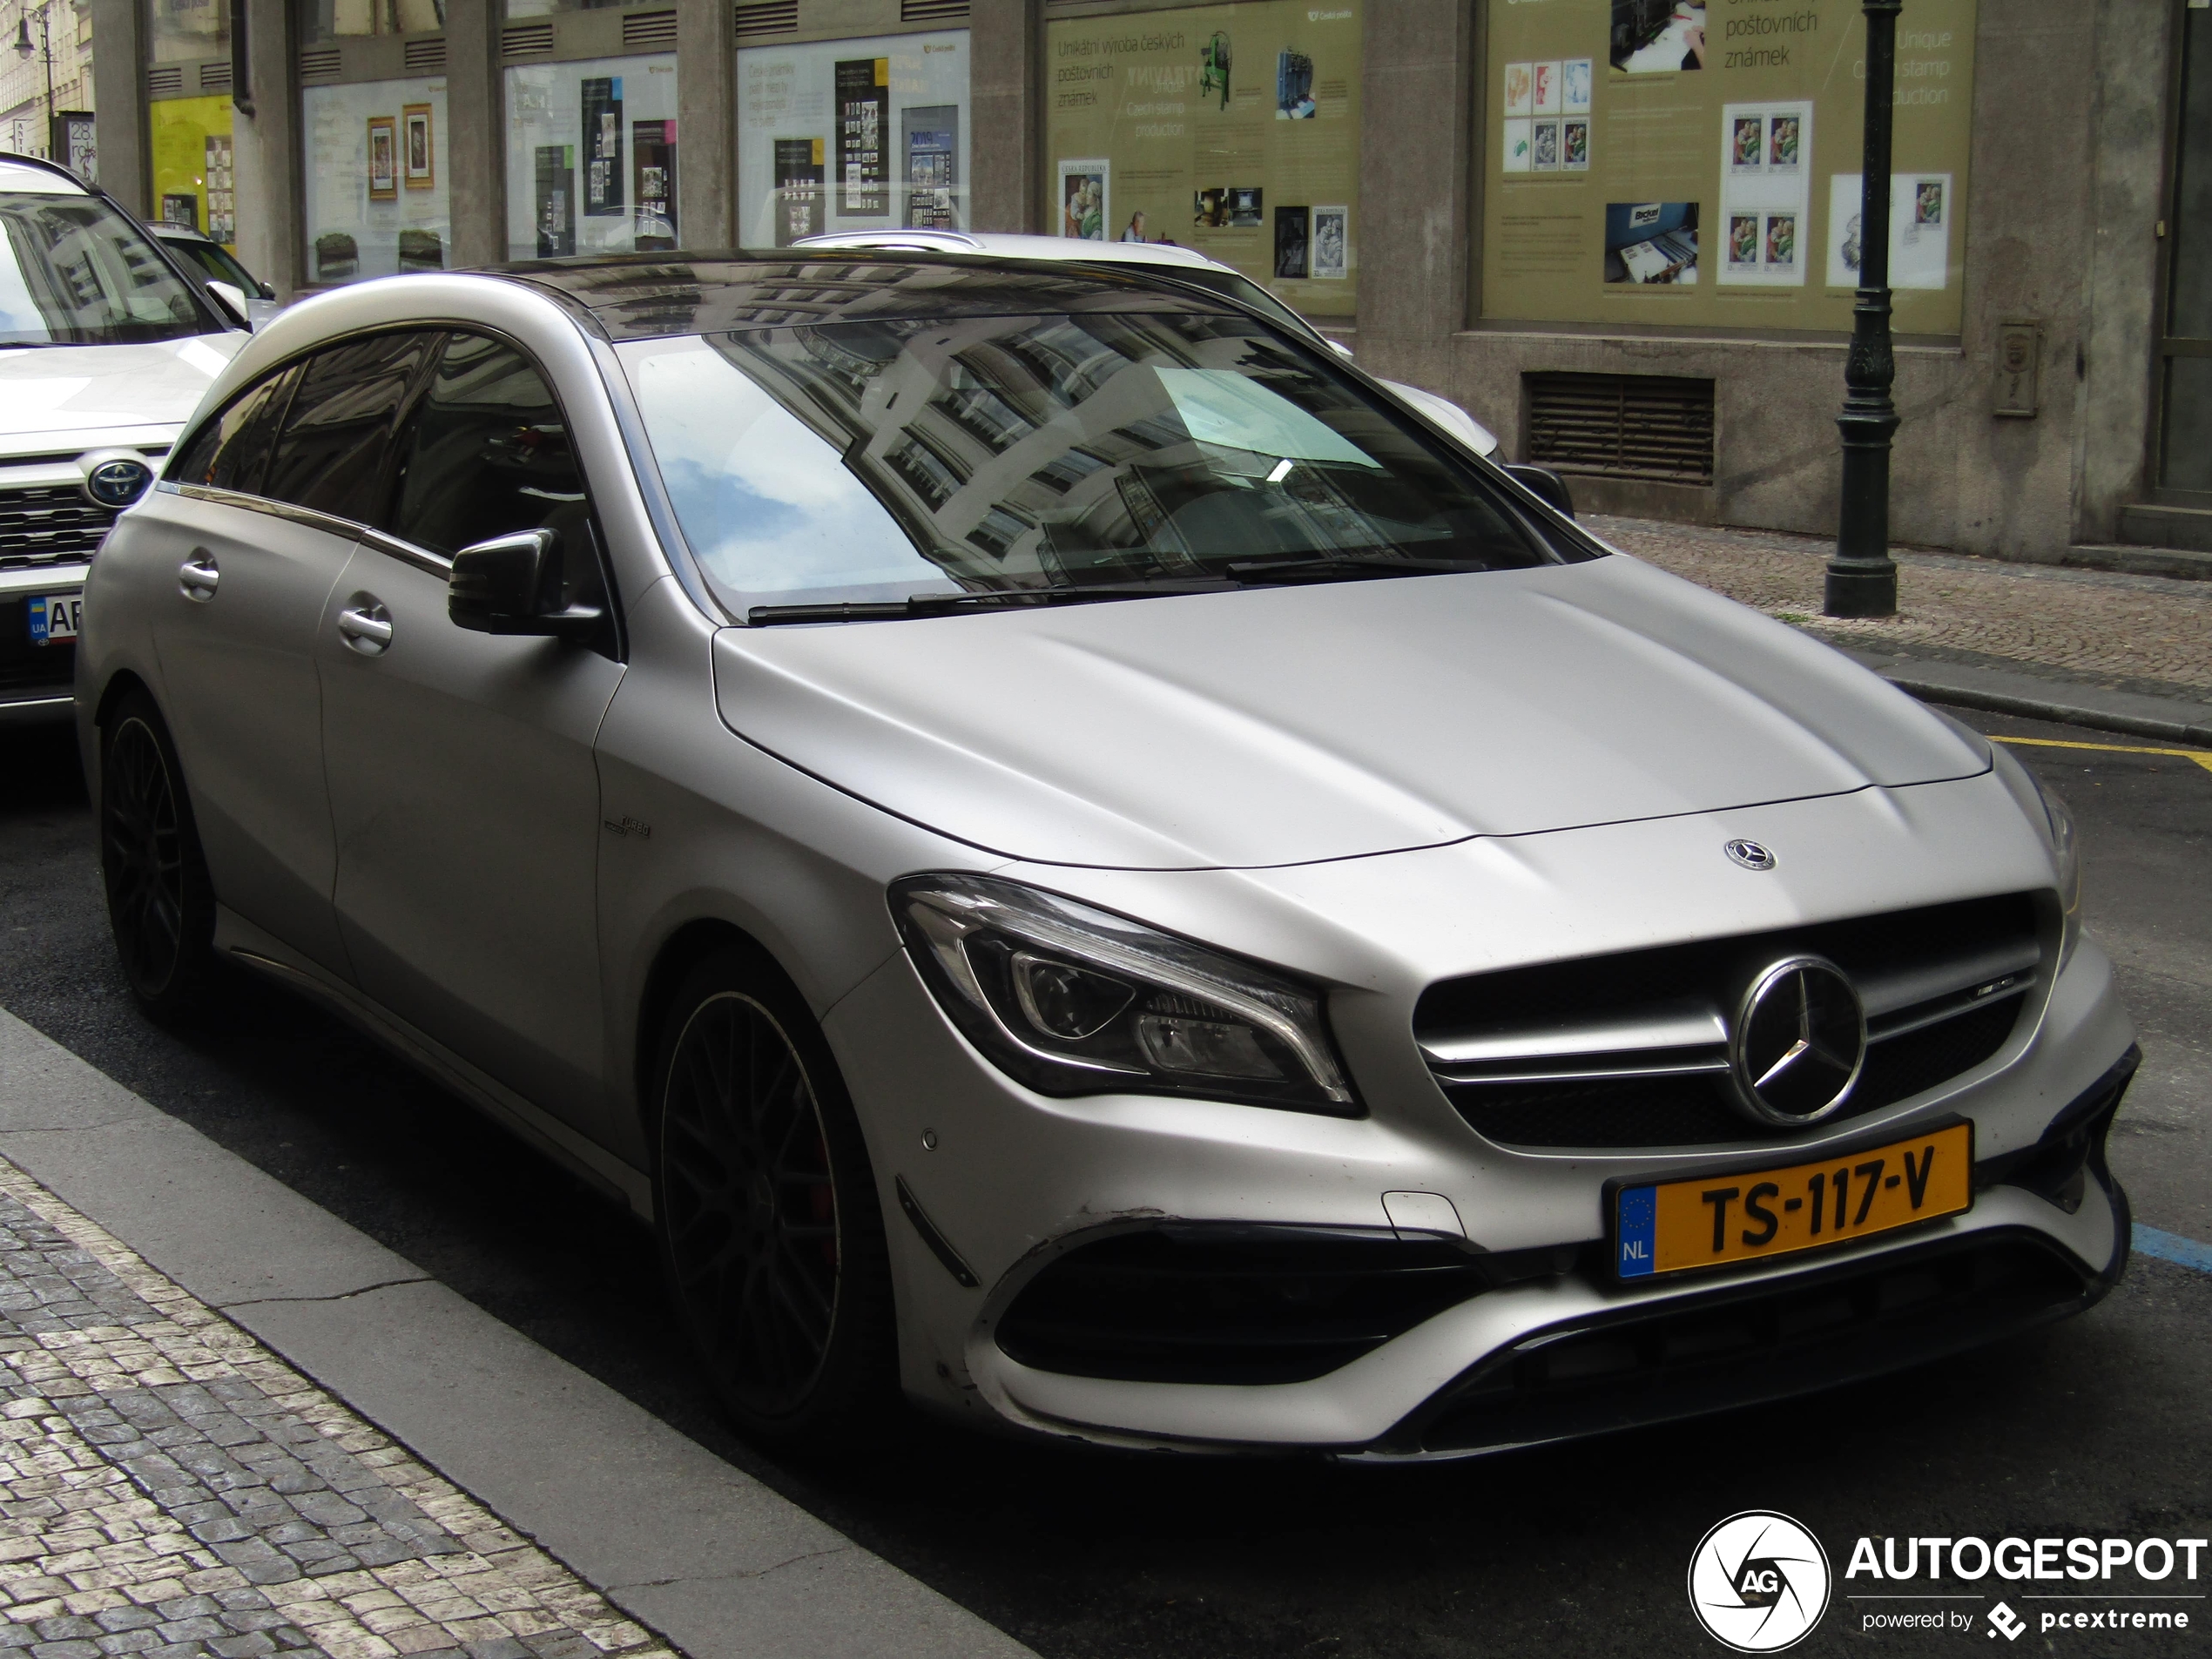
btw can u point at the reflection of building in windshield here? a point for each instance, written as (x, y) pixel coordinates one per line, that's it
(1054, 448)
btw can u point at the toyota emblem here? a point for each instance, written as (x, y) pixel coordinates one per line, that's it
(1798, 1043)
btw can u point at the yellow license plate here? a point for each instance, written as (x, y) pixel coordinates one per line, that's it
(1747, 1215)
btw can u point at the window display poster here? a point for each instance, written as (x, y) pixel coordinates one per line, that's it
(359, 222)
(840, 135)
(1737, 125)
(591, 157)
(1233, 129)
(191, 144)
(603, 179)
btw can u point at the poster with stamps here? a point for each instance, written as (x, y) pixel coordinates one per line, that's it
(1574, 85)
(1765, 193)
(1521, 89)
(1546, 90)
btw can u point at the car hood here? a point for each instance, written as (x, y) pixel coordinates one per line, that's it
(1283, 726)
(47, 389)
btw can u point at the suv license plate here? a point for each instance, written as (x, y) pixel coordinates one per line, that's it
(1747, 1215)
(54, 619)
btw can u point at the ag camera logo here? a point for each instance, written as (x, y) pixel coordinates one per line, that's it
(1758, 1582)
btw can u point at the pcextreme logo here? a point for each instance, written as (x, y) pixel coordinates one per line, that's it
(1758, 1582)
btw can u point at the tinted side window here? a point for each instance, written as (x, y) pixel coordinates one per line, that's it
(338, 438)
(231, 450)
(487, 454)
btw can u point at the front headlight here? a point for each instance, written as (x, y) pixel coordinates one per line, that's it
(1072, 1001)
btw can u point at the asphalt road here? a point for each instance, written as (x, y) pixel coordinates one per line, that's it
(2097, 1427)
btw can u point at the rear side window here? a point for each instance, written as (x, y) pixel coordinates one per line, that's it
(488, 453)
(232, 450)
(337, 442)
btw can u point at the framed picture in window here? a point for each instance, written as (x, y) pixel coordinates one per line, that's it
(421, 166)
(383, 158)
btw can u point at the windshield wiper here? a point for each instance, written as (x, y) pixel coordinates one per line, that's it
(925, 604)
(1335, 567)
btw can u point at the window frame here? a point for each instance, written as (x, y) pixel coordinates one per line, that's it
(380, 536)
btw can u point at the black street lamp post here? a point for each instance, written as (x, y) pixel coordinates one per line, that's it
(1862, 578)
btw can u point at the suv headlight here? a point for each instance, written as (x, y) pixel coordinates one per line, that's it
(1072, 1001)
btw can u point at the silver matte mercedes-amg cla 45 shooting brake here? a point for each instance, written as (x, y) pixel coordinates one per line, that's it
(1083, 863)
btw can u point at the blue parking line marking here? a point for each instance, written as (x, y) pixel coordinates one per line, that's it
(2172, 1247)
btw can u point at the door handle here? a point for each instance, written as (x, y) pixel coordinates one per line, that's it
(365, 625)
(196, 577)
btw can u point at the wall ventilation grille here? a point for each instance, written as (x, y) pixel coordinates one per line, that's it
(649, 31)
(1627, 426)
(166, 82)
(767, 17)
(214, 78)
(526, 39)
(931, 10)
(320, 65)
(426, 57)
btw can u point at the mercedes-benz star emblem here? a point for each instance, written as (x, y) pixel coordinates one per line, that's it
(1798, 1043)
(1750, 855)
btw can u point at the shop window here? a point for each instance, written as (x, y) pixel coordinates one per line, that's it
(378, 185)
(1231, 129)
(322, 21)
(591, 157)
(852, 135)
(1686, 164)
(184, 32)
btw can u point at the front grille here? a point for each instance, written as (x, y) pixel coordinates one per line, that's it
(45, 524)
(1735, 1346)
(1630, 1050)
(1217, 1303)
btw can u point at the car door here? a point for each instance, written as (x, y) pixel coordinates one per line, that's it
(242, 584)
(462, 783)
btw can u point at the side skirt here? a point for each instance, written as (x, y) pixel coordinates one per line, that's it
(241, 942)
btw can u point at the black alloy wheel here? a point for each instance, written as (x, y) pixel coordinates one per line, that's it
(770, 1232)
(160, 906)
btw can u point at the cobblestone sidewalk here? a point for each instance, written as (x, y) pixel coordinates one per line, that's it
(167, 1488)
(2149, 630)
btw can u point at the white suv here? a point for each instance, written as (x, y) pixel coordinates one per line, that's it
(105, 348)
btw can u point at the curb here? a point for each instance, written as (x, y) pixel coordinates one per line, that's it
(2035, 698)
(679, 1540)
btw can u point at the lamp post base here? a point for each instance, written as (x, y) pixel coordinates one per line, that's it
(1860, 590)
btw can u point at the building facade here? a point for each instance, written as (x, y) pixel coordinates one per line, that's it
(1624, 233)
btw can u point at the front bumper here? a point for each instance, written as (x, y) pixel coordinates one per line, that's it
(35, 680)
(1008, 1182)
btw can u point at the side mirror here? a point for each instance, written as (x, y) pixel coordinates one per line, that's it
(508, 585)
(232, 298)
(1546, 485)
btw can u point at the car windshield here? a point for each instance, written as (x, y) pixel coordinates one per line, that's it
(880, 460)
(75, 271)
(213, 259)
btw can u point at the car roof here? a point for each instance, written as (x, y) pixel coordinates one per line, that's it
(643, 296)
(1020, 245)
(182, 233)
(28, 175)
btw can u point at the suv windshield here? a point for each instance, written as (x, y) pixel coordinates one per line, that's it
(75, 271)
(882, 461)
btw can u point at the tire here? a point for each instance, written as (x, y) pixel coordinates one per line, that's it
(770, 1237)
(160, 904)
